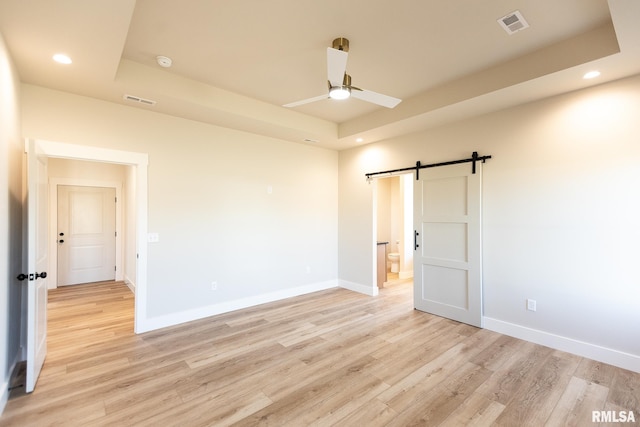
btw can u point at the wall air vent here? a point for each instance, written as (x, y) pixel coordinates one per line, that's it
(132, 98)
(513, 22)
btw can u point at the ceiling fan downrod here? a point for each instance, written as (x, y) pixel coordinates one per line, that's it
(341, 44)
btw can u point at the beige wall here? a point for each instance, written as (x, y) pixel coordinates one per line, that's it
(560, 215)
(83, 170)
(209, 200)
(11, 199)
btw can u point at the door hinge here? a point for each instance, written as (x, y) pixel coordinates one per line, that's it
(115, 233)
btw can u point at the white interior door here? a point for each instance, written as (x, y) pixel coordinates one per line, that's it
(86, 234)
(447, 261)
(37, 232)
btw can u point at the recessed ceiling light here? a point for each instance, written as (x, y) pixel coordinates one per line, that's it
(62, 58)
(359, 139)
(591, 75)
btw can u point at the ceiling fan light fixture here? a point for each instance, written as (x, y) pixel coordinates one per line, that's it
(339, 92)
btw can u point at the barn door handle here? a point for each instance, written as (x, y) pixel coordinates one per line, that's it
(415, 240)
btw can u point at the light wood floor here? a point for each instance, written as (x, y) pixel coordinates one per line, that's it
(329, 358)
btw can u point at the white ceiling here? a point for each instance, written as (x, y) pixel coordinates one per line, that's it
(236, 62)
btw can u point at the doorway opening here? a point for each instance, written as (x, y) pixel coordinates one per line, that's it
(86, 251)
(394, 225)
(134, 236)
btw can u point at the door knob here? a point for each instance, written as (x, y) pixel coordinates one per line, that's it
(61, 234)
(60, 241)
(31, 276)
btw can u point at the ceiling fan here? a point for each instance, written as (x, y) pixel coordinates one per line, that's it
(340, 82)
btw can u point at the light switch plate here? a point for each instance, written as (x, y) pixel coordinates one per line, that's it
(153, 237)
(531, 305)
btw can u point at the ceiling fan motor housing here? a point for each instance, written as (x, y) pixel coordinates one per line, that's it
(341, 44)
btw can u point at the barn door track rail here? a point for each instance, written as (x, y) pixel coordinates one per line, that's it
(473, 159)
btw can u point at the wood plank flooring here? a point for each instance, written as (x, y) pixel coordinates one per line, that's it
(329, 358)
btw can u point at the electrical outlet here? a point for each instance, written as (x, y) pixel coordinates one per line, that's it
(531, 304)
(153, 237)
(214, 286)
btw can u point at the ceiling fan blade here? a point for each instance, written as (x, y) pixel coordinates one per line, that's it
(376, 98)
(306, 101)
(336, 65)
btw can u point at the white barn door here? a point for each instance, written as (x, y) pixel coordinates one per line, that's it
(447, 258)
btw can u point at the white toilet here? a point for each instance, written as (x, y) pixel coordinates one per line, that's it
(394, 259)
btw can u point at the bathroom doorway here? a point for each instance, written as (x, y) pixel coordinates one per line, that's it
(394, 224)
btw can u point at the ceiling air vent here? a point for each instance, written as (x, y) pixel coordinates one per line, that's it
(139, 100)
(513, 22)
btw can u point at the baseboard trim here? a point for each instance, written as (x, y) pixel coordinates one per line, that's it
(357, 287)
(130, 283)
(570, 345)
(173, 319)
(4, 393)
